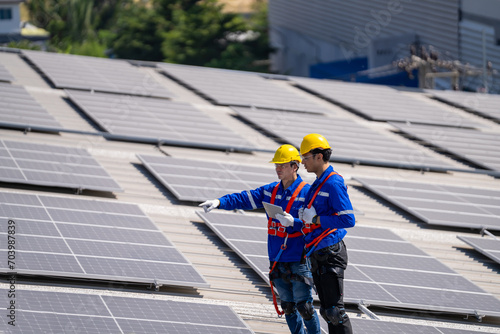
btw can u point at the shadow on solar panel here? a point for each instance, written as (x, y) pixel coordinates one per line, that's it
(90, 240)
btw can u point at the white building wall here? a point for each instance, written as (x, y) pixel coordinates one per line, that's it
(11, 26)
(352, 25)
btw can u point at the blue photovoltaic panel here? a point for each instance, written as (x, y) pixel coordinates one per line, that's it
(62, 312)
(439, 204)
(157, 120)
(388, 327)
(5, 74)
(383, 103)
(96, 74)
(48, 165)
(353, 141)
(237, 88)
(480, 148)
(18, 107)
(487, 246)
(100, 240)
(484, 104)
(190, 180)
(384, 270)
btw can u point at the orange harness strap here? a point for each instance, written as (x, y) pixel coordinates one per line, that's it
(281, 232)
(308, 228)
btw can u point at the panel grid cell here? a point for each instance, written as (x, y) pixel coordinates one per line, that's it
(383, 103)
(157, 120)
(49, 165)
(5, 74)
(190, 180)
(380, 272)
(480, 148)
(75, 238)
(235, 88)
(484, 104)
(18, 107)
(96, 74)
(63, 312)
(438, 204)
(353, 141)
(487, 246)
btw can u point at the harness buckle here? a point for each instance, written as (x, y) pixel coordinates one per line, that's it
(281, 229)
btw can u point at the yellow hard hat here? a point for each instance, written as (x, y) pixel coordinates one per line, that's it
(286, 153)
(312, 141)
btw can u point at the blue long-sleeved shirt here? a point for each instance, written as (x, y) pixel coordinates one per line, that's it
(252, 199)
(333, 207)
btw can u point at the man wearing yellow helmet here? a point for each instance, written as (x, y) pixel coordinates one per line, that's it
(327, 212)
(285, 241)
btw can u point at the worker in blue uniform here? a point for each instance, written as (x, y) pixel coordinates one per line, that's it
(326, 214)
(290, 276)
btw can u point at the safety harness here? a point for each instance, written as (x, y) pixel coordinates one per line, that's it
(276, 229)
(308, 227)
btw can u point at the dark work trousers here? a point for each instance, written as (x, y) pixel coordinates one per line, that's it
(327, 266)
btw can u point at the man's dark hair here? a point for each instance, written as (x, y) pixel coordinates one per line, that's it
(327, 153)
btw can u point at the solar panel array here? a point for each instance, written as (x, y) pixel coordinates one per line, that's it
(352, 142)
(233, 88)
(480, 148)
(487, 246)
(88, 239)
(385, 327)
(192, 180)
(18, 107)
(60, 312)
(484, 104)
(146, 119)
(384, 270)
(5, 74)
(49, 165)
(443, 205)
(382, 103)
(96, 74)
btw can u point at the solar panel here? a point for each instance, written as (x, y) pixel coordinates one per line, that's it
(63, 312)
(18, 107)
(382, 103)
(5, 74)
(97, 240)
(487, 246)
(352, 142)
(388, 327)
(95, 74)
(443, 205)
(49, 165)
(480, 148)
(384, 270)
(484, 104)
(147, 119)
(191, 180)
(236, 88)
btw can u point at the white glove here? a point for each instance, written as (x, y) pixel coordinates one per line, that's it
(285, 220)
(210, 205)
(309, 215)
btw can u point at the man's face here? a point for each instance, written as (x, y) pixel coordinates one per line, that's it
(284, 171)
(309, 161)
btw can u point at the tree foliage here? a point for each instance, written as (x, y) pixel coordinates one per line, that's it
(194, 32)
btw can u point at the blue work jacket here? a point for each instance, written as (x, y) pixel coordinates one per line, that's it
(252, 199)
(333, 207)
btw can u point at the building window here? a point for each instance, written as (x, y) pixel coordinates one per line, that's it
(5, 14)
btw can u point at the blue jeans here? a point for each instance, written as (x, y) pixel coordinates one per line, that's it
(297, 292)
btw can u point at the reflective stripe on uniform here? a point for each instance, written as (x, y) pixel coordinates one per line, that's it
(324, 194)
(345, 212)
(250, 198)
